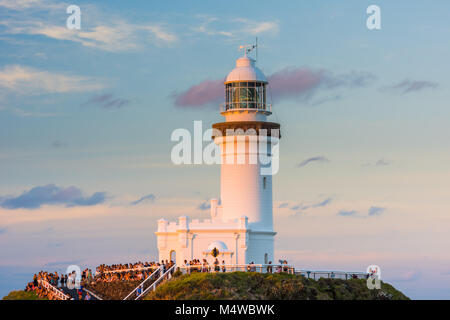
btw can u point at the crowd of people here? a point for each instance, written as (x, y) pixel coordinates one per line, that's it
(117, 279)
(127, 266)
(133, 273)
(41, 291)
(203, 266)
(125, 272)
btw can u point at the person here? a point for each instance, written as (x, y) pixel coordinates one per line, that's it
(138, 291)
(80, 294)
(224, 269)
(205, 266)
(269, 267)
(216, 265)
(88, 296)
(187, 265)
(285, 269)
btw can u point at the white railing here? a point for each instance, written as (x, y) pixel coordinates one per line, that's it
(126, 270)
(167, 275)
(236, 106)
(274, 268)
(96, 296)
(141, 285)
(58, 294)
(260, 268)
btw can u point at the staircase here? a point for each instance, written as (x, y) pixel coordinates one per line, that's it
(133, 295)
(59, 294)
(147, 285)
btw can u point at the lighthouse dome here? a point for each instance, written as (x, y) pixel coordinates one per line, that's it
(245, 71)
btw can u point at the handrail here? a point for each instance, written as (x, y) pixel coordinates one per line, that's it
(157, 281)
(59, 294)
(261, 268)
(330, 274)
(141, 285)
(225, 107)
(125, 270)
(92, 294)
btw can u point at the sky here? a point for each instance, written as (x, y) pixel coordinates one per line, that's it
(86, 118)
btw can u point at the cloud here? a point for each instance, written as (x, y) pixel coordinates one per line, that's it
(302, 83)
(107, 101)
(98, 30)
(199, 95)
(27, 80)
(51, 195)
(295, 82)
(283, 205)
(57, 144)
(376, 211)
(347, 213)
(2, 230)
(318, 159)
(409, 86)
(148, 198)
(206, 205)
(241, 27)
(323, 203)
(327, 99)
(205, 27)
(378, 163)
(371, 212)
(24, 4)
(258, 27)
(300, 209)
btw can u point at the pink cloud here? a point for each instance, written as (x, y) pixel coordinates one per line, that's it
(294, 82)
(201, 94)
(286, 83)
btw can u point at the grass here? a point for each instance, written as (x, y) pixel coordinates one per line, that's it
(257, 286)
(22, 295)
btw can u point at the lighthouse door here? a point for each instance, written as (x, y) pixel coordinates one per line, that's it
(173, 255)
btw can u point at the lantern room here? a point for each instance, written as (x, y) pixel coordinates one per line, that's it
(246, 88)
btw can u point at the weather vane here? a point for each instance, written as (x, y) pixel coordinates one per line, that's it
(247, 48)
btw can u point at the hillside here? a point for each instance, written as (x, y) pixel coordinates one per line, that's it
(257, 286)
(22, 295)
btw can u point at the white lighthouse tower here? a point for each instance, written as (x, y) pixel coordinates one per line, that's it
(241, 227)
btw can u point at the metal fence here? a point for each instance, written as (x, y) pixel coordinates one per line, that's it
(345, 275)
(261, 268)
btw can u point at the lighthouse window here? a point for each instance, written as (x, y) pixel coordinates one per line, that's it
(243, 95)
(264, 182)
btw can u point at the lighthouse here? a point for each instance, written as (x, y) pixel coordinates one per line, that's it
(240, 229)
